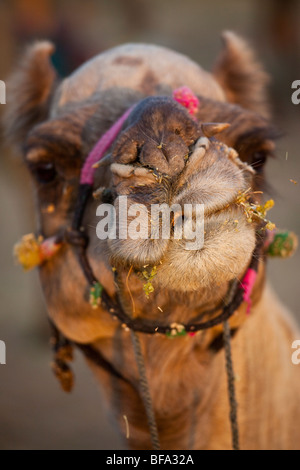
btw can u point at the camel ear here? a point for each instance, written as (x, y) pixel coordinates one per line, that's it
(29, 92)
(241, 75)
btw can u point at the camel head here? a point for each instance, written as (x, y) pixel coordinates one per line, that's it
(163, 155)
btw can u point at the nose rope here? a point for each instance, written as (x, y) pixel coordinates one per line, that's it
(141, 366)
(231, 387)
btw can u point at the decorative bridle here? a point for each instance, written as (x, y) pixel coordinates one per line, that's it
(238, 292)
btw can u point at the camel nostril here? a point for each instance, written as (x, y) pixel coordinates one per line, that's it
(108, 196)
(139, 151)
(166, 153)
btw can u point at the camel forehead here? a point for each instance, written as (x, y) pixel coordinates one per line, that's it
(147, 69)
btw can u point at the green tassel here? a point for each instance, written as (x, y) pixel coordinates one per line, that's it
(169, 334)
(282, 244)
(176, 329)
(95, 295)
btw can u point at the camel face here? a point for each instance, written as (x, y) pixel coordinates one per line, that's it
(162, 156)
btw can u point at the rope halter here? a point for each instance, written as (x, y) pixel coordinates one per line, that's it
(33, 252)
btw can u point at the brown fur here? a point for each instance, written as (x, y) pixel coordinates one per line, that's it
(241, 75)
(186, 375)
(31, 89)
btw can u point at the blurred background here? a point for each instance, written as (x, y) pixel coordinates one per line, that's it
(34, 413)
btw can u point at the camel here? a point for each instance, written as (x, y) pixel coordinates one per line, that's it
(214, 154)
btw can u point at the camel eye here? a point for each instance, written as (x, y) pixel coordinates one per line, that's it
(44, 172)
(258, 160)
(177, 131)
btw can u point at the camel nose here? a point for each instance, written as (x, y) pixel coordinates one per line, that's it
(167, 157)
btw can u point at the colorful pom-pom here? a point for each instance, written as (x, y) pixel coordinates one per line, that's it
(176, 329)
(31, 252)
(248, 284)
(281, 243)
(186, 98)
(95, 295)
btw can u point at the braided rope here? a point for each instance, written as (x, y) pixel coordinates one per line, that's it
(145, 390)
(231, 386)
(140, 361)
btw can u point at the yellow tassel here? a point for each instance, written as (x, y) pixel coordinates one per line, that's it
(28, 252)
(31, 252)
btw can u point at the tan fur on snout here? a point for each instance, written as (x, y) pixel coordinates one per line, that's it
(228, 238)
(163, 157)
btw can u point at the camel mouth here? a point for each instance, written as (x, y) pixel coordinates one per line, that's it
(229, 208)
(230, 216)
(228, 242)
(216, 209)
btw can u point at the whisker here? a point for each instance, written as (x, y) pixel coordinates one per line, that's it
(149, 137)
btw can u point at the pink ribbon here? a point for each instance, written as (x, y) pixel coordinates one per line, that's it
(103, 144)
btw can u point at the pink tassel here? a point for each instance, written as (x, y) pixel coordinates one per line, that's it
(48, 248)
(248, 284)
(186, 98)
